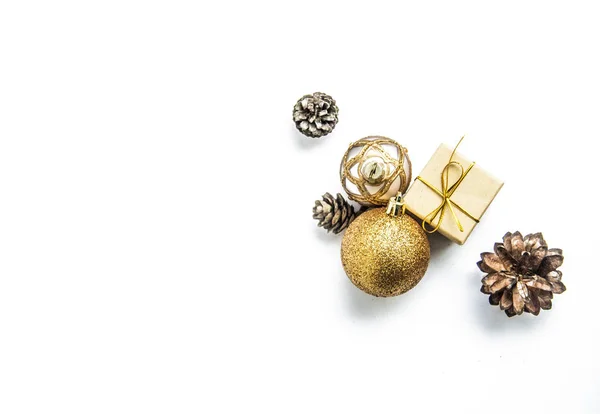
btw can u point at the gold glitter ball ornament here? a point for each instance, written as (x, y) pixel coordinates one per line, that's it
(385, 255)
(374, 169)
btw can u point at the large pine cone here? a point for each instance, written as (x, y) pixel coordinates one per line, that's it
(315, 115)
(334, 214)
(522, 274)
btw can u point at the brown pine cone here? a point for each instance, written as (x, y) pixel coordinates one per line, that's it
(334, 214)
(315, 115)
(522, 274)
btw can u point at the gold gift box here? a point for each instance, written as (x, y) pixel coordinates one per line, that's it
(451, 194)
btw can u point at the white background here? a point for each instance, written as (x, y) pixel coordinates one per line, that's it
(157, 251)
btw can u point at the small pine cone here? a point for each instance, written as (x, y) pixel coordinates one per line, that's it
(522, 274)
(334, 214)
(315, 115)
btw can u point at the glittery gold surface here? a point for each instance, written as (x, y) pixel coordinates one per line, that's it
(384, 255)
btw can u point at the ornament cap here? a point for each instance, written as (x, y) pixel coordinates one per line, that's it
(396, 206)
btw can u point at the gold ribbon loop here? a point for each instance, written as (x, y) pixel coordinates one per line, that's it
(445, 193)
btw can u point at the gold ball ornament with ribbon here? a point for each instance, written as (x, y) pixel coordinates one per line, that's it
(385, 252)
(374, 169)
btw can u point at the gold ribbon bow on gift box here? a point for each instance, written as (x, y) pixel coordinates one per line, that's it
(446, 193)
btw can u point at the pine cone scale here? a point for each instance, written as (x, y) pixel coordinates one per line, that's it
(505, 300)
(502, 284)
(545, 299)
(537, 282)
(534, 259)
(495, 298)
(490, 263)
(517, 244)
(508, 262)
(492, 278)
(533, 305)
(518, 302)
(550, 263)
